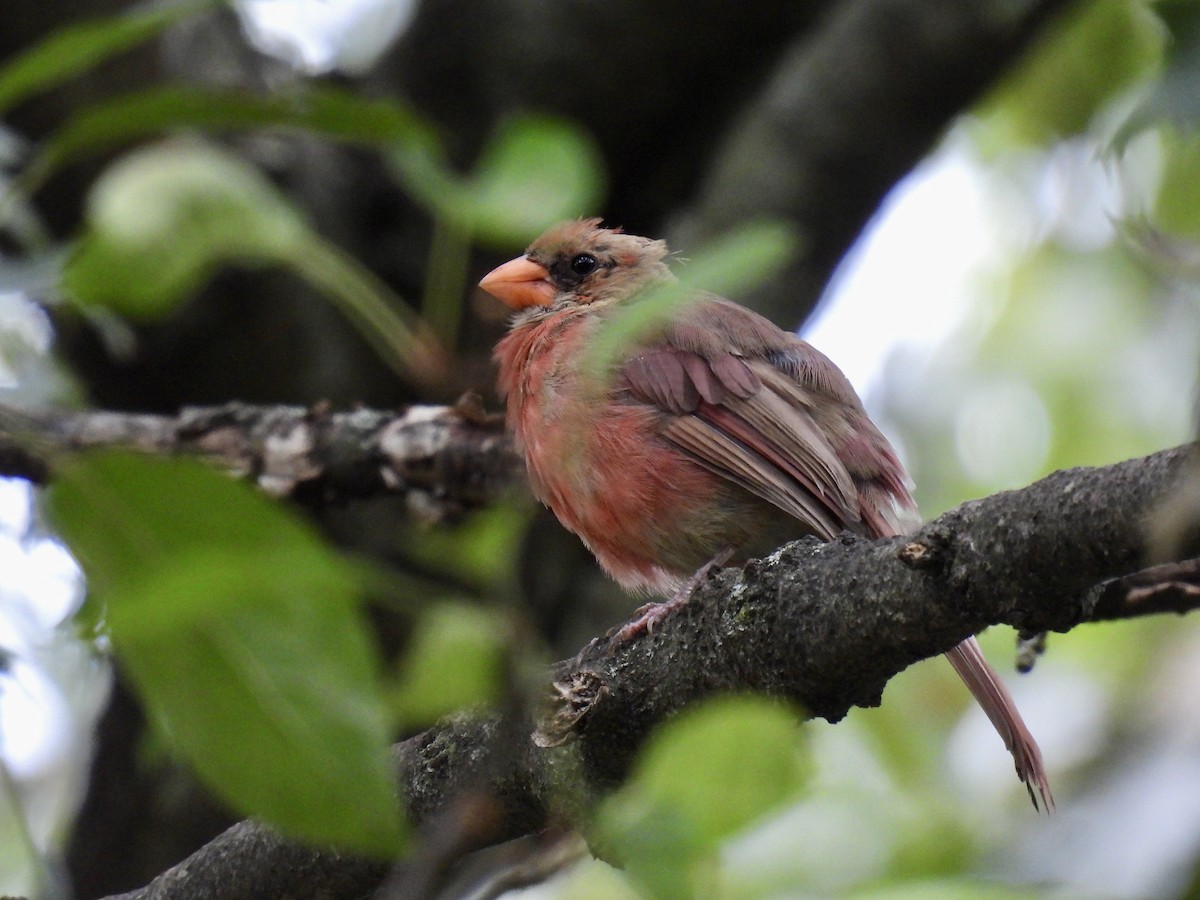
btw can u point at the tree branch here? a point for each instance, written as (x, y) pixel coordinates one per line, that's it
(443, 459)
(822, 625)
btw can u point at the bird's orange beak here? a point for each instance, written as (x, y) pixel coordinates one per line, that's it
(520, 283)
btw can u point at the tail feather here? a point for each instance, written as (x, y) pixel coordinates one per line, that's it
(989, 691)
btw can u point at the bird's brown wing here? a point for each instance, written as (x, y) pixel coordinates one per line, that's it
(719, 452)
(738, 419)
(764, 409)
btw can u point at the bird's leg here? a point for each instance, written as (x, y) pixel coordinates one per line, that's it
(646, 617)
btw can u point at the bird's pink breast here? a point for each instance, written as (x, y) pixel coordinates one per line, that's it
(598, 462)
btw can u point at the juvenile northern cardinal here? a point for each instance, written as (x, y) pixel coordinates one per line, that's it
(720, 436)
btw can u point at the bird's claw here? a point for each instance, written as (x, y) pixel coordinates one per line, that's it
(647, 616)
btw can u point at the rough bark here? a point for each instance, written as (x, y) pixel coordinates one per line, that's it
(442, 459)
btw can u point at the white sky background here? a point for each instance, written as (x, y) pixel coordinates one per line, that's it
(904, 285)
(320, 35)
(905, 282)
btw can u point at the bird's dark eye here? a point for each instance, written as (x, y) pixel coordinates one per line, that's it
(583, 264)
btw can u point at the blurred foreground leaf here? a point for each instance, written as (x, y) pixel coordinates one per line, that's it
(239, 628)
(163, 219)
(534, 171)
(1075, 68)
(1174, 97)
(946, 889)
(705, 774)
(1177, 203)
(452, 662)
(73, 50)
(735, 262)
(333, 113)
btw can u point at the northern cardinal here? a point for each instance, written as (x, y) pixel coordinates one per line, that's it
(719, 435)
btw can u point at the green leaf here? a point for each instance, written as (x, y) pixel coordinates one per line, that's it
(334, 113)
(735, 262)
(481, 549)
(165, 218)
(591, 879)
(239, 629)
(1174, 97)
(946, 889)
(535, 171)
(161, 220)
(73, 50)
(453, 662)
(704, 775)
(1177, 204)
(273, 704)
(1078, 65)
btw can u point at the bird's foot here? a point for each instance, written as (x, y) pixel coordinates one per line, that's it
(645, 618)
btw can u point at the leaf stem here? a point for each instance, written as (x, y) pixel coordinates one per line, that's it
(402, 340)
(445, 280)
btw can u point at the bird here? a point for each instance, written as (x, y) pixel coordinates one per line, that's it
(714, 438)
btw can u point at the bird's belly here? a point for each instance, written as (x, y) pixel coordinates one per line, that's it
(649, 512)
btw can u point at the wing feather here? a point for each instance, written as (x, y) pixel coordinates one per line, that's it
(722, 454)
(769, 413)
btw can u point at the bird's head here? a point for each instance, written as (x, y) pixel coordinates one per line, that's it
(579, 262)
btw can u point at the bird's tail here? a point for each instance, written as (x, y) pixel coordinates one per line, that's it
(987, 688)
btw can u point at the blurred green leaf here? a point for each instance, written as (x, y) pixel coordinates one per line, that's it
(482, 549)
(592, 879)
(946, 889)
(163, 219)
(535, 171)
(274, 706)
(1174, 97)
(1076, 67)
(126, 513)
(703, 775)
(331, 112)
(74, 49)
(240, 631)
(453, 662)
(734, 262)
(166, 217)
(1177, 203)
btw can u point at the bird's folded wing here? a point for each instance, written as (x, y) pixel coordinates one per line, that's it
(741, 421)
(724, 455)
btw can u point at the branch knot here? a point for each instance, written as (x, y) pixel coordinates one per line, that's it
(571, 700)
